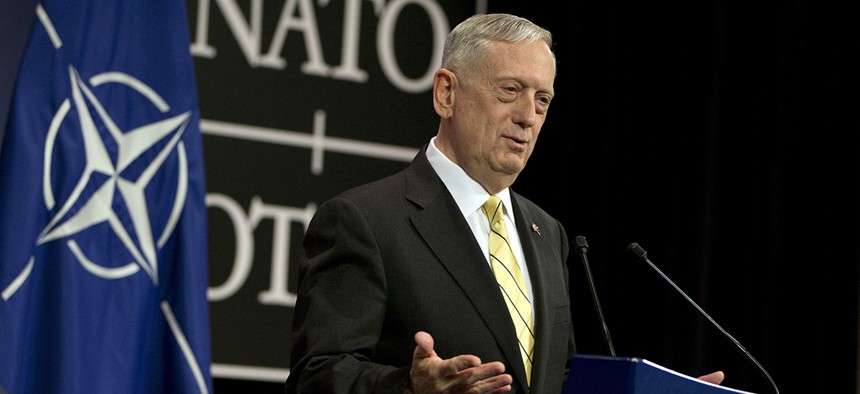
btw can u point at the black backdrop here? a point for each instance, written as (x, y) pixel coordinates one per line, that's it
(722, 137)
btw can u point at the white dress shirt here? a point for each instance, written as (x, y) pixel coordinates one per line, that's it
(470, 197)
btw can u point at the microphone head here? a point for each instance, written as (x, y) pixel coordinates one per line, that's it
(581, 243)
(637, 251)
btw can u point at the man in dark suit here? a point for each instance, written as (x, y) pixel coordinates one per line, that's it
(396, 290)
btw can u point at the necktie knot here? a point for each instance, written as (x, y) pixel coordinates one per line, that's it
(493, 209)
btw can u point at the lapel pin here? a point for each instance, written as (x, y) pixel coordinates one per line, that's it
(535, 228)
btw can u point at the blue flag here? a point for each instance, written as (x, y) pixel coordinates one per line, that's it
(103, 252)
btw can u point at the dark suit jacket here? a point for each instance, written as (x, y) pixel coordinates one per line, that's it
(387, 259)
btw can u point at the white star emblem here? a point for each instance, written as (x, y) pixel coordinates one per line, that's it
(95, 207)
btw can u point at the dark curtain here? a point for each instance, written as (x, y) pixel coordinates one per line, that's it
(723, 138)
(16, 17)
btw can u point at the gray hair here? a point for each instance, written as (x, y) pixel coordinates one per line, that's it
(470, 40)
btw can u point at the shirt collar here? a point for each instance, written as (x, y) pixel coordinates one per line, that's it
(468, 193)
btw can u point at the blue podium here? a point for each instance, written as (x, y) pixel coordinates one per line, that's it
(619, 375)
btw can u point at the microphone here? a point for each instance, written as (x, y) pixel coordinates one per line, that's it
(641, 254)
(582, 247)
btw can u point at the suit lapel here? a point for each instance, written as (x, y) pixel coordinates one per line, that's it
(448, 235)
(536, 250)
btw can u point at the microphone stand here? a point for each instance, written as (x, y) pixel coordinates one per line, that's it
(582, 247)
(640, 253)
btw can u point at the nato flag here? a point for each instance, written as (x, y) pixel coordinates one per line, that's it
(103, 252)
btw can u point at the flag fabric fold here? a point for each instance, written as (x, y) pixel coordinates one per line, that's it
(103, 252)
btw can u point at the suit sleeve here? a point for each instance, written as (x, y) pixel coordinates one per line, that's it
(342, 295)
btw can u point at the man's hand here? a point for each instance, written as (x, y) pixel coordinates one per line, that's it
(713, 377)
(460, 374)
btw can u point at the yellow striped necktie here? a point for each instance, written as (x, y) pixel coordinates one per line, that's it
(511, 282)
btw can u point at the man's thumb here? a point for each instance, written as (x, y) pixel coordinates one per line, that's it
(424, 345)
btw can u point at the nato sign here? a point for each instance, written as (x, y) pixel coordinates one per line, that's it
(299, 100)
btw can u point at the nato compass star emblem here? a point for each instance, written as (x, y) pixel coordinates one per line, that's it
(109, 189)
(107, 182)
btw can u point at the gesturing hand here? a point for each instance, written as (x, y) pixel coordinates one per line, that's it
(713, 377)
(460, 374)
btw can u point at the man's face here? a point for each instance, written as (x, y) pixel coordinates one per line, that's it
(499, 110)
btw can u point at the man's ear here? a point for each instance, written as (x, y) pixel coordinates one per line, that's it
(444, 84)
